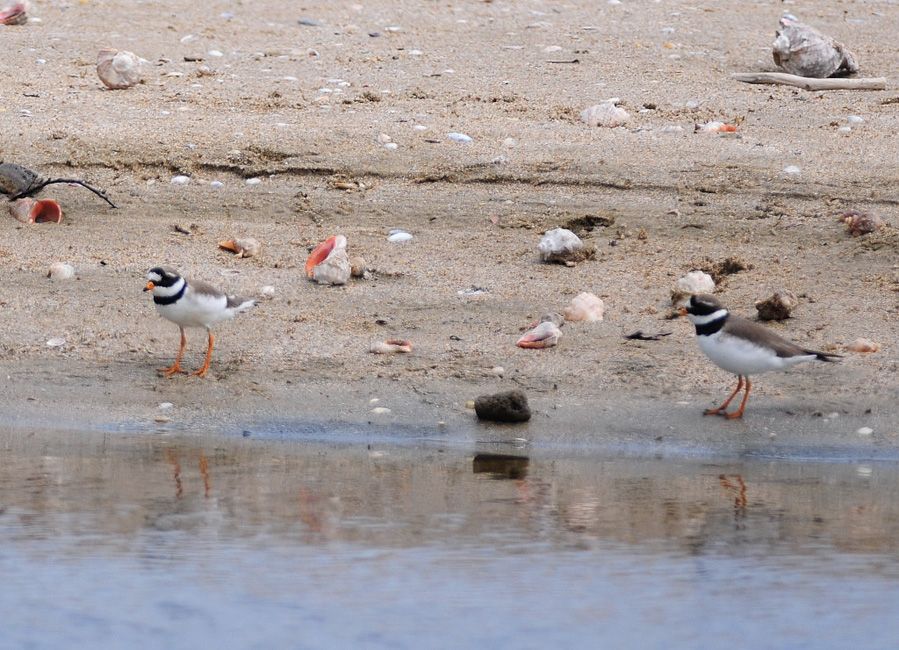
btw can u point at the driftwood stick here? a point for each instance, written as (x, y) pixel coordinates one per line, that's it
(783, 79)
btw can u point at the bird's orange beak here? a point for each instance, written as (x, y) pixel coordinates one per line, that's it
(150, 286)
(681, 310)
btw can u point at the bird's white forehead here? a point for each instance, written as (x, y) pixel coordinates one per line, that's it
(153, 276)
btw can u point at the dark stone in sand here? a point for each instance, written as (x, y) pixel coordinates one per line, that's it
(511, 406)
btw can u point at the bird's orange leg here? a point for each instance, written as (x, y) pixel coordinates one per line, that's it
(739, 412)
(176, 367)
(202, 371)
(721, 409)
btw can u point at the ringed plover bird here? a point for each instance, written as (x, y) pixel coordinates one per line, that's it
(193, 304)
(742, 347)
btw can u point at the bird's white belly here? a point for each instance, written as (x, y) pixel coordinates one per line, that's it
(196, 311)
(743, 357)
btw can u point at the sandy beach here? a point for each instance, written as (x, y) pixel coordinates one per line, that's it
(237, 91)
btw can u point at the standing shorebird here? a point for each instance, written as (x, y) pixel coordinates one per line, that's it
(194, 304)
(742, 347)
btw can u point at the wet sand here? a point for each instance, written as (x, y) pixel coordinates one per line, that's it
(679, 200)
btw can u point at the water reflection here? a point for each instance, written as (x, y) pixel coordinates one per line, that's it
(205, 508)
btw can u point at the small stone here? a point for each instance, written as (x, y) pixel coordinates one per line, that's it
(459, 137)
(165, 406)
(383, 138)
(469, 404)
(267, 292)
(399, 237)
(357, 267)
(792, 170)
(778, 306)
(162, 419)
(855, 119)
(391, 146)
(605, 114)
(310, 22)
(498, 371)
(215, 53)
(180, 180)
(56, 342)
(863, 345)
(381, 410)
(511, 406)
(216, 185)
(865, 431)
(253, 181)
(694, 282)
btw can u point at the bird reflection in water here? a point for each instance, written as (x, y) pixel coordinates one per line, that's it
(171, 457)
(735, 486)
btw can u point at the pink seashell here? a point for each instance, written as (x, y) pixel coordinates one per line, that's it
(14, 14)
(863, 345)
(30, 210)
(545, 335)
(390, 346)
(584, 307)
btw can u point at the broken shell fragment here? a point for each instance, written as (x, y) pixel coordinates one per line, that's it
(328, 262)
(802, 50)
(692, 283)
(391, 346)
(561, 246)
(61, 271)
(605, 114)
(245, 247)
(860, 223)
(584, 307)
(118, 69)
(863, 345)
(30, 210)
(545, 335)
(15, 13)
(715, 127)
(778, 307)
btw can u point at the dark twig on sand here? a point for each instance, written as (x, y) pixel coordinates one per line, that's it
(17, 182)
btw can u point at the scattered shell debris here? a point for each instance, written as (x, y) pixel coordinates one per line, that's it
(778, 306)
(804, 51)
(243, 246)
(61, 271)
(585, 307)
(391, 346)
(606, 114)
(118, 69)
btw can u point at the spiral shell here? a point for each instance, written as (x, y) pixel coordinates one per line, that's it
(802, 50)
(118, 69)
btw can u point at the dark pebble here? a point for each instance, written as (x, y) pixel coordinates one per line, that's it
(511, 406)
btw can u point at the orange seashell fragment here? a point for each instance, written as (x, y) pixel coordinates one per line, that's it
(391, 345)
(320, 253)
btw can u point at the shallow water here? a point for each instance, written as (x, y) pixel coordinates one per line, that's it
(111, 541)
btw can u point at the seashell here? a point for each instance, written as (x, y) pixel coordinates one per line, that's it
(778, 307)
(605, 114)
(692, 283)
(246, 247)
(30, 210)
(357, 267)
(860, 223)
(804, 51)
(584, 307)
(863, 345)
(328, 262)
(399, 237)
(391, 346)
(118, 69)
(715, 127)
(267, 292)
(61, 271)
(15, 13)
(545, 335)
(562, 246)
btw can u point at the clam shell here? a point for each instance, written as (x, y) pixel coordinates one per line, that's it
(802, 50)
(605, 114)
(118, 69)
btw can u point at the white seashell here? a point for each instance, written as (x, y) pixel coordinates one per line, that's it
(584, 307)
(216, 185)
(253, 181)
(180, 180)
(56, 342)
(792, 170)
(118, 69)
(605, 114)
(244, 247)
(558, 243)
(804, 51)
(380, 410)
(61, 271)
(399, 237)
(335, 268)
(865, 431)
(459, 137)
(695, 282)
(267, 292)
(391, 146)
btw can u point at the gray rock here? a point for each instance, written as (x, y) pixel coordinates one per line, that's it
(511, 406)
